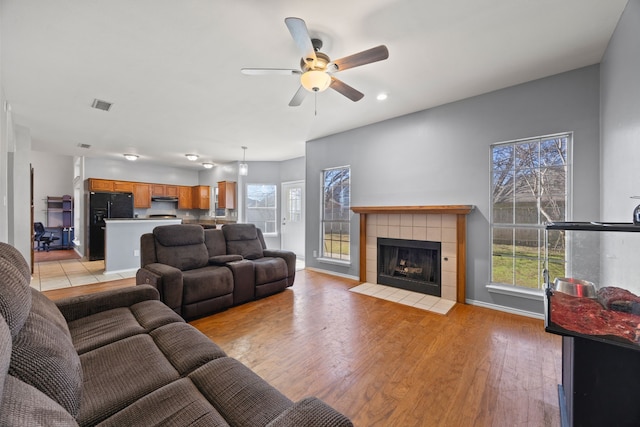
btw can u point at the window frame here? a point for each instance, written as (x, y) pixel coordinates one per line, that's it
(274, 208)
(328, 256)
(513, 288)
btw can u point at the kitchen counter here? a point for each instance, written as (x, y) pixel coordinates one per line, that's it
(122, 241)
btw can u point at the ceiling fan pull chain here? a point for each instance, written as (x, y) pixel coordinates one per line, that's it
(315, 102)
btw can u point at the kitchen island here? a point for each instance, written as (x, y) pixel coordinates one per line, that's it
(122, 241)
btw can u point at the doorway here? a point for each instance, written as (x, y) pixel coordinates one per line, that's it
(293, 224)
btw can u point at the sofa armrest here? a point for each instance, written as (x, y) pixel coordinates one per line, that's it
(224, 259)
(310, 411)
(73, 308)
(288, 256)
(168, 281)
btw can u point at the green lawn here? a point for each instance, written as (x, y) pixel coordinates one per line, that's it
(526, 264)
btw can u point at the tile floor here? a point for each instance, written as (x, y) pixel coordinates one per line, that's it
(401, 296)
(50, 275)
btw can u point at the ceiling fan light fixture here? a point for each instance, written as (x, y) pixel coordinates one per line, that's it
(192, 157)
(207, 165)
(315, 81)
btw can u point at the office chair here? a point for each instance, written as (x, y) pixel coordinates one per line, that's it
(43, 237)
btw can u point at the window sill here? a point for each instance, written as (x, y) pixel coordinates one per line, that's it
(514, 291)
(334, 261)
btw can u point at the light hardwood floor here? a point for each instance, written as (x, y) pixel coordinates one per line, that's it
(386, 364)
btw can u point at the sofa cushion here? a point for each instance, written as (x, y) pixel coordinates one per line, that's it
(177, 403)
(242, 239)
(270, 269)
(15, 294)
(108, 326)
(216, 245)
(43, 356)
(118, 374)
(181, 246)
(186, 347)
(311, 410)
(24, 405)
(239, 394)
(205, 283)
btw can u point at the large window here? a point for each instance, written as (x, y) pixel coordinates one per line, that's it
(529, 188)
(261, 207)
(336, 203)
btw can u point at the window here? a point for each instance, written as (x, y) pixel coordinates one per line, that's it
(261, 207)
(529, 188)
(336, 203)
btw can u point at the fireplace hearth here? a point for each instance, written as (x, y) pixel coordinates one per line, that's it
(413, 265)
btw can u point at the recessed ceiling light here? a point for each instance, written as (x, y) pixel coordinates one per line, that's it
(382, 96)
(207, 165)
(131, 157)
(192, 157)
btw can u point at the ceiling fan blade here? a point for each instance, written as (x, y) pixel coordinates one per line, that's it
(270, 71)
(368, 56)
(298, 97)
(298, 29)
(346, 90)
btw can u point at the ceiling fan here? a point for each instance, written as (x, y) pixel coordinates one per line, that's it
(316, 68)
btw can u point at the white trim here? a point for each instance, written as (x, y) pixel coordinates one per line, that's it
(515, 291)
(126, 270)
(334, 261)
(504, 309)
(333, 273)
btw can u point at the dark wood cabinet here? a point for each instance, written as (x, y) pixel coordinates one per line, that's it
(226, 195)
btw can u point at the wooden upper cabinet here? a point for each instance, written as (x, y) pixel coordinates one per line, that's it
(123, 186)
(100, 184)
(202, 197)
(171, 190)
(184, 197)
(158, 190)
(141, 195)
(227, 195)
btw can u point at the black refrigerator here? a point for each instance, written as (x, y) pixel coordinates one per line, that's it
(102, 206)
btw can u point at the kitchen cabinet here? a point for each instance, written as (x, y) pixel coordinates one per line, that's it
(158, 190)
(201, 197)
(141, 195)
(171, 190)
(100, 184)
(185, 197)
(226, 195)
(123, 186)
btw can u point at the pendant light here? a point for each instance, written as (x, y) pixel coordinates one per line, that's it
(243, 168)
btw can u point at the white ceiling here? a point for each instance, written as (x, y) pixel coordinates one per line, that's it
(171, 68)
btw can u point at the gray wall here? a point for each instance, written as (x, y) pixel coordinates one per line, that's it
(620, 118)
(441, 156)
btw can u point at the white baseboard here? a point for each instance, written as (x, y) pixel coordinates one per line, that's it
(519, 312)
(333, 273)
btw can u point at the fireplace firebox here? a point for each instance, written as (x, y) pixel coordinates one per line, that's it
(413, 265)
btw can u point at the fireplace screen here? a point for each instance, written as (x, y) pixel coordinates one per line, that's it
(410, 264)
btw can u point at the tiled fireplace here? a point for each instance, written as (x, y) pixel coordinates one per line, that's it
(444, 224)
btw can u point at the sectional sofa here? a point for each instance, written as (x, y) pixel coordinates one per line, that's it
(123, 358)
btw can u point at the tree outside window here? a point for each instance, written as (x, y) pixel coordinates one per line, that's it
(261, 207)
(529, 189)
(336, 204)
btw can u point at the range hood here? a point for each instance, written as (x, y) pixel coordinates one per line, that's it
(164, 199)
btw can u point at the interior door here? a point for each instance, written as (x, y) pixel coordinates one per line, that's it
(292, 211)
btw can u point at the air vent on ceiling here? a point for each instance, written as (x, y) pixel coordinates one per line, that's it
(101, 105)
(81, 145)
